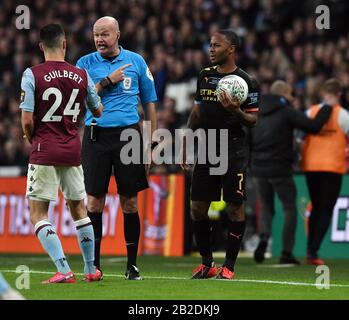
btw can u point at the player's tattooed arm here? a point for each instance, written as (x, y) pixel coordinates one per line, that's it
(194, 118)
(232, 105)
(28, 125)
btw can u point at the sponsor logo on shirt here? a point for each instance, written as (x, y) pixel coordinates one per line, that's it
(212, 80)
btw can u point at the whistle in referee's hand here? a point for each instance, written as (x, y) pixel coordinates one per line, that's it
(93, 130)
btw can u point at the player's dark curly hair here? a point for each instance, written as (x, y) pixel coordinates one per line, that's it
(231, 36)
(51, 35)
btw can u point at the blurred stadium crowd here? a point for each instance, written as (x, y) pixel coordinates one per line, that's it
(279, 40)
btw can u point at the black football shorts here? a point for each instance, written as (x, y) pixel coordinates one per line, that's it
(206, 187)
(102, 156)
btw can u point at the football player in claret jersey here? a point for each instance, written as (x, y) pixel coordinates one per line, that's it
(52, 98)
(221, 112)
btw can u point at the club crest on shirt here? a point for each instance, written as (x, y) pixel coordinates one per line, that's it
(212, 80)
(127, 83)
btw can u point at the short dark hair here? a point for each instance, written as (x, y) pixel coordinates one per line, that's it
(51, 34)
(332, 86)
(231, 36)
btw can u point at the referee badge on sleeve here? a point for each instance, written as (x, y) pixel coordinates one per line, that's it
(127, 83)
(149, 74)
(22, 95)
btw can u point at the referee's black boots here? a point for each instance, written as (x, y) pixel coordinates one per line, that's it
(133, 274)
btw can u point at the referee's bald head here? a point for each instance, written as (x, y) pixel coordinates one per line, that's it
(107, 21)
(106, 36)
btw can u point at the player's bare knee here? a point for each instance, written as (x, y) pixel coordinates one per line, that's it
(77, 209)
(95, 204)
(38, 210)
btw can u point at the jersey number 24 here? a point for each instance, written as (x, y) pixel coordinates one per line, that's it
(71, 109)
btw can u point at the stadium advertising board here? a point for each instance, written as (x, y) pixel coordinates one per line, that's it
(161, 210)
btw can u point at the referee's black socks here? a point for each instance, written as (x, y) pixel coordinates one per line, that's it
(132, 230)
(236, 230)
(97, 223)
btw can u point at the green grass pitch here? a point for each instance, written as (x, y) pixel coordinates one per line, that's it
(169, 278)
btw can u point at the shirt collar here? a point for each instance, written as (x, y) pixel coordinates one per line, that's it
(119, 57)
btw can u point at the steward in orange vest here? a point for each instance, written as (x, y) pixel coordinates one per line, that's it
(325, 151)
(324, 163)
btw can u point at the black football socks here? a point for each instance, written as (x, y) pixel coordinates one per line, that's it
(202, 233)
(236, 230)
(132, 230)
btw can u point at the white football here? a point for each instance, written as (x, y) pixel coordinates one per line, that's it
(235, 86)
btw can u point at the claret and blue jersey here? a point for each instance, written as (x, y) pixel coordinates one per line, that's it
(56, 92)
(120, 102)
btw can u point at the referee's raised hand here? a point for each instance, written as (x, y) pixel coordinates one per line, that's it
(118, 75)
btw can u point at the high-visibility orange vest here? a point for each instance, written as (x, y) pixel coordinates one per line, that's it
(325, 151)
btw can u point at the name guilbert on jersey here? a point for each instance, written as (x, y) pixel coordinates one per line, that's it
(62, 74)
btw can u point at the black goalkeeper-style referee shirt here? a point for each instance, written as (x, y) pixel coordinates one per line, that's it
(214, 116)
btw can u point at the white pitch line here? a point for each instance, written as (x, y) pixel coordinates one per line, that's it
(277, 266)
(180, 278)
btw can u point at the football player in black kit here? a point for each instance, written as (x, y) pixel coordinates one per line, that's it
(221, 112)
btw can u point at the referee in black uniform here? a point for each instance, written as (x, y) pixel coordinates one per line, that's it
(223, 112)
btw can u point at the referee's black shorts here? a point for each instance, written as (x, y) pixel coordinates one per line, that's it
(207, 187)
(101, 156)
